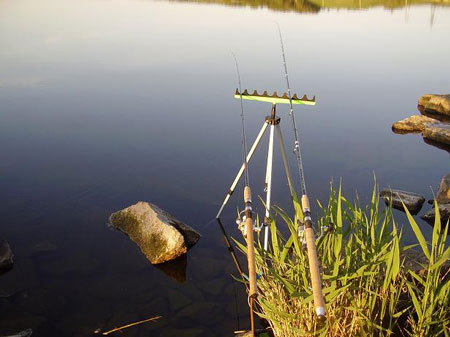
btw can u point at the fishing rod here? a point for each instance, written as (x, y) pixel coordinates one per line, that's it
(319, 302)
(248, 216)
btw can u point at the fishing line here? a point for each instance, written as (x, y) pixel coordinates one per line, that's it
(297, 151)
(307, 228)
(207, 224)
(244, 138)
(249, 226)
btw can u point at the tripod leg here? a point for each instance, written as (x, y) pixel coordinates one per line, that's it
(285, 162)
(268, 186)
(241, 171)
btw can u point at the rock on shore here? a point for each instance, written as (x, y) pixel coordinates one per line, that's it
(443, 202)
(412, 201)
(437, 132)
(439, 104)
(433, 121)
(159, 235)
(443, 196)
(414, 123)
(444, 213)
(6, 255)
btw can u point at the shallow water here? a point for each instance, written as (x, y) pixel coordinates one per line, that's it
(103, 104)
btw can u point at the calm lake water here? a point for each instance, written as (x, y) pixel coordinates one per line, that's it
(104, 103)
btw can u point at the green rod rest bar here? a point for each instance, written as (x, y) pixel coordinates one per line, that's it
(274, 98)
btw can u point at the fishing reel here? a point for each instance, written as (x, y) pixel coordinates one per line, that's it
(324, 229)
(240, 221)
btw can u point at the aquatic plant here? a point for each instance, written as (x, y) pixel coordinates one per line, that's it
(368, 287)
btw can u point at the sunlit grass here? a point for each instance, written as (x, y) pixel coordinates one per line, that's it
(367, 287)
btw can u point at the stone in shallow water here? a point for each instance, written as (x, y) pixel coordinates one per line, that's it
(439, 104)
(6, 255)
(414, 123)
(443, 196)
(177, 300)
(412, 201)
(444, 213)
(159, 235)
(437, 132)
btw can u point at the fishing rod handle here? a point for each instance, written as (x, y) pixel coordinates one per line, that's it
(253, 291)
(319, 302)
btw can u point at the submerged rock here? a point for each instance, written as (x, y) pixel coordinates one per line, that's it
(185, 332)
(444, 213)
(159, 235)
(6, 255)
(412, 201)
(414, 123)
(23, 333)
(439, 104)
(437, 132)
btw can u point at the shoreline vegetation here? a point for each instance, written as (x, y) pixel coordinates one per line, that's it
(373, 284)
(314, 6)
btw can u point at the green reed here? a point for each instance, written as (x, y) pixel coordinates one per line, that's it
(429, 290)
(367, 287)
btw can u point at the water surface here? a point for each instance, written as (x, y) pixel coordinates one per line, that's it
(103, 104)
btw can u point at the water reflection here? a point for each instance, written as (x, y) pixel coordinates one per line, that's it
(438, 145)
(314, 6)
(175, 269)
(301, 6)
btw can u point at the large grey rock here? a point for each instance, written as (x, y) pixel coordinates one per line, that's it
(24, 333)
(6, 255)
(437, 132)
(443, 196)
(159, 235)
(414, 123)
(444, 213)
(412, 201)
(439, 104)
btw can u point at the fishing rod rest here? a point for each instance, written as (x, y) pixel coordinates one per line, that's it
(316, 282)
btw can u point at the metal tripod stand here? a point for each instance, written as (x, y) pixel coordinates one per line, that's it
(273, 122)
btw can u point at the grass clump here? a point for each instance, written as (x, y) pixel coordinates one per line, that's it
(369, 289)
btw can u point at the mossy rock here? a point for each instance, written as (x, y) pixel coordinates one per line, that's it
(158, 234)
